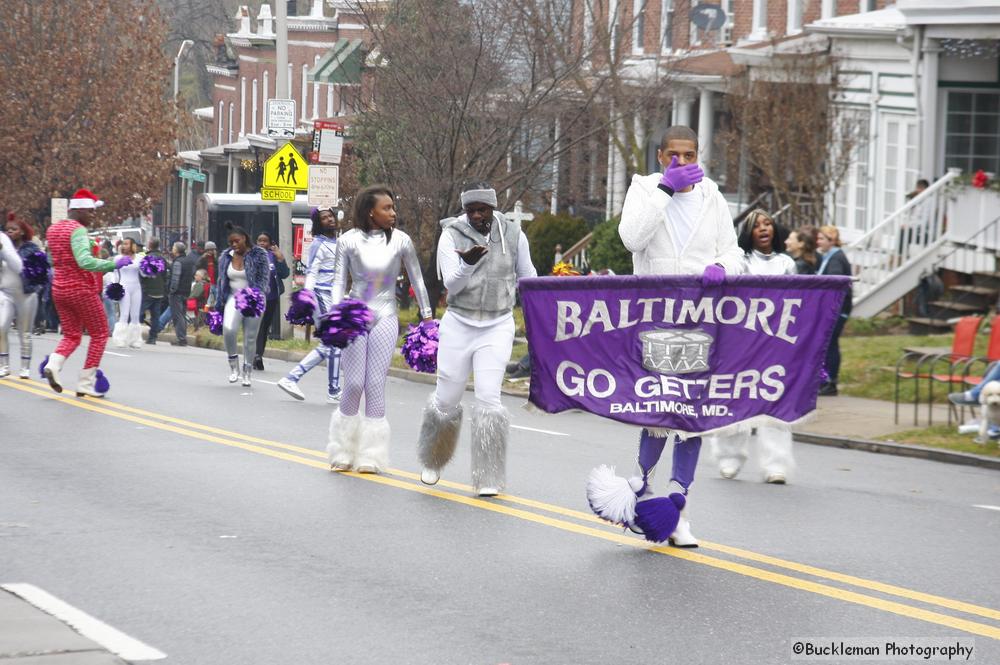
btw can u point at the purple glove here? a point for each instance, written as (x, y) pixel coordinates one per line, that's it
(714, 275)
(123, 261)
(679, 178)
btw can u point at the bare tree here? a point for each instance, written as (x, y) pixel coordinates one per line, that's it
(85, 103)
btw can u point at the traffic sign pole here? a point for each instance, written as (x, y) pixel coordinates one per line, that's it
(284, 209)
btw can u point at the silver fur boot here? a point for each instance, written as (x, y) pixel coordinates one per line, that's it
(490, 431)
(438, 438)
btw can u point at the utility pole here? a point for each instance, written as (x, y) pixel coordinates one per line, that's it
(283, 91)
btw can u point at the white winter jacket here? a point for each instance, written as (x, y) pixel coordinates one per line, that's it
(645, 232)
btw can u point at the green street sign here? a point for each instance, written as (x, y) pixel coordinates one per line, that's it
(191, 174)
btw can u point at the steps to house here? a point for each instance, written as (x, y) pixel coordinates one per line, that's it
(984, 296)
(926, 326)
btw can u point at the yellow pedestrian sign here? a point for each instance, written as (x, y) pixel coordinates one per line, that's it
(286, 169)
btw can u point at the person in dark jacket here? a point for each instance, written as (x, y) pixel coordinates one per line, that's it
(154, 292)
(833, 262)
(181, 276)
(242, 265)
(801, 246)
(276, 286)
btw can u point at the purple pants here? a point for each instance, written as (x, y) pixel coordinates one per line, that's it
(684, 463)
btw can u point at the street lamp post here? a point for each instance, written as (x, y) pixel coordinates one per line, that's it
(177, 142)
(177, 65)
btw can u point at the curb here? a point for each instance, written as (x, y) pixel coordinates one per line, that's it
(881, 447)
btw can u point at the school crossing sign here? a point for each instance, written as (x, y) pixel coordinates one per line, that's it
(286, 169)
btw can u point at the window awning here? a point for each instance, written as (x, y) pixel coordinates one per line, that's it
(341, 65)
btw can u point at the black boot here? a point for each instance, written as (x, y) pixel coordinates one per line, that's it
(258, 363)
(828, 389)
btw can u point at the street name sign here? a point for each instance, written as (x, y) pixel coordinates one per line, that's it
(324, 186)
(286, 169)
(281, 117)
(191, 174)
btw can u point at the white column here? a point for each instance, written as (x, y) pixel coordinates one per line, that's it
(759, 30)
(684, 107)
(232, 110)
(229, 173)
(222, 123)
(616, 173)
(705, 129)
(329, 100)
(554, 202)
(305, 90)
(253, 105)
(291, 80)
(315, 113)
(930, 165)
(828, 9)
(263, 102)
(640, 143)
(243, 106)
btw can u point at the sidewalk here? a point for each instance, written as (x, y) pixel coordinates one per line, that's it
(29, 636)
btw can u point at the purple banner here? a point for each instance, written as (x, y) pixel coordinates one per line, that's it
(666, 352)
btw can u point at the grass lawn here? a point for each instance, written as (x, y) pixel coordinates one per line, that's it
(943, 436)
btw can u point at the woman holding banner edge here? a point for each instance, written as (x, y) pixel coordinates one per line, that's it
(674, 223)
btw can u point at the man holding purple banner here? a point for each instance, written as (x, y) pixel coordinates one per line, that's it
(674, 223)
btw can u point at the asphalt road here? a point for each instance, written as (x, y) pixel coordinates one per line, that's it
(202, 520)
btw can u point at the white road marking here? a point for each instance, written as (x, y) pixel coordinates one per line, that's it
(986, 506)
(540, 431)
(272, 383)
(110, 638)
(120, 355)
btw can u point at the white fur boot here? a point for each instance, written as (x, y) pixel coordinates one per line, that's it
(135, 336)
(490, 431)
(87, 385)
(52, 368)
(119, 336)
(373, 446)
(438, 438)
(342, 443)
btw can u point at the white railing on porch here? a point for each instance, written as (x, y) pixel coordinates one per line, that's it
(884, 257)
(577, 254)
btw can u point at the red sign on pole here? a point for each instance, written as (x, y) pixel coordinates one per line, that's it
(328, 142)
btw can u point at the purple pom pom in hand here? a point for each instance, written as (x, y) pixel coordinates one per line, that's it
(214, 321)
(302, 308)
(115, 291)
(421, 346)
(344, 322)
(250, 302)
(36, 269)
(152, 264)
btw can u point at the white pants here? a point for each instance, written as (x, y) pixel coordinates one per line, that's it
(232, 321)
(21, 307)
(465, 349)
(773, 444)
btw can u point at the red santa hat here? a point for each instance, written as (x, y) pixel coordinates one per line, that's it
(86, 199)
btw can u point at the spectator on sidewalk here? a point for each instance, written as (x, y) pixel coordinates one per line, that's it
(801, 246)
(833, 262)
(181, 276)
(154, 292)
(208, 261)
(200, 290)
(278, 273)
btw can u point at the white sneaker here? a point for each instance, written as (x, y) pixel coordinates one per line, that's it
(682, 536)
(775, 478)
(25, 373)
(429, 477)
(291, 387)
(340, 466)
(728, 472)
(487, 491)
(4, 371)
(333, 398)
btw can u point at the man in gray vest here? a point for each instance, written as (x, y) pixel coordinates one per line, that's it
(481, 255)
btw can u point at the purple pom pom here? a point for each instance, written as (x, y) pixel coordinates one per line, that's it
(214, 321)
(152, 264)
(41, 367)
(250, 301)
(115, 291)
(102, 385)
(347, 320)
(658, 518)
(36, 269)
(420, 346)
(302, 308)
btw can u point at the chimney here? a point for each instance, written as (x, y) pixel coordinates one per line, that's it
(243, 16)
(317, 9)
(265, 25)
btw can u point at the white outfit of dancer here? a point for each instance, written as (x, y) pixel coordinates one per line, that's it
(14, 302)
(773, 442)
(233, 320)
(679, 234)
(322, 265)
(372, 262)
(476, 336)
(128, 331)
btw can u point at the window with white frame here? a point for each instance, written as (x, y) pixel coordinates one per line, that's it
(666, 25)
(793, 24)
(851, 199)
(759, 29)
(638, 26)
(972, 131)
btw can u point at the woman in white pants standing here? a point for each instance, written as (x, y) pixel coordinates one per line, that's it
(481, 255)
(764, 244)
(128, 331)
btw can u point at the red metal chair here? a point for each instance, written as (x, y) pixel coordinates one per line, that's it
(920, 365)
(969, 379)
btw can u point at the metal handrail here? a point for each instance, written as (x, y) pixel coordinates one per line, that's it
(970, 243)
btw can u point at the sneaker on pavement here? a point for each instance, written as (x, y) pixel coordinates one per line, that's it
(775, 478)
(963, 399)
(682, 536)
(333, 398)
(291, 387)
(429, 477)
(487, 491)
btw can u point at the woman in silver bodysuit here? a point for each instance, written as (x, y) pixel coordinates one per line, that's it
(370, 254)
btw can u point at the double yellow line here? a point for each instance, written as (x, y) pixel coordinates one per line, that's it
(572, 521)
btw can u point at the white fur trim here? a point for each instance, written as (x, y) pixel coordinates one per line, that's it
(84, 204)
(611, 496)
(742, 427)
(342, 443)
(373, 443)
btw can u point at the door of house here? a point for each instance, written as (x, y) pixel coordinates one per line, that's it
(897, 166)
(851, 194)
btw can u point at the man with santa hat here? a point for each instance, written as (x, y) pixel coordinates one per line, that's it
(76, 291)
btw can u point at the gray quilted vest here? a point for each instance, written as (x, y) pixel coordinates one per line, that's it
(491, 290)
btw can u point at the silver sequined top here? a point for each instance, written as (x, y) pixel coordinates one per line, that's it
(373, 267)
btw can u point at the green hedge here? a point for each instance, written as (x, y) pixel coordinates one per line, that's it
(546, 231)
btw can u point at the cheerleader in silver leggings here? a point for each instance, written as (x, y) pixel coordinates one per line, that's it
(243, 264)
(370, 254)
(14, 302)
